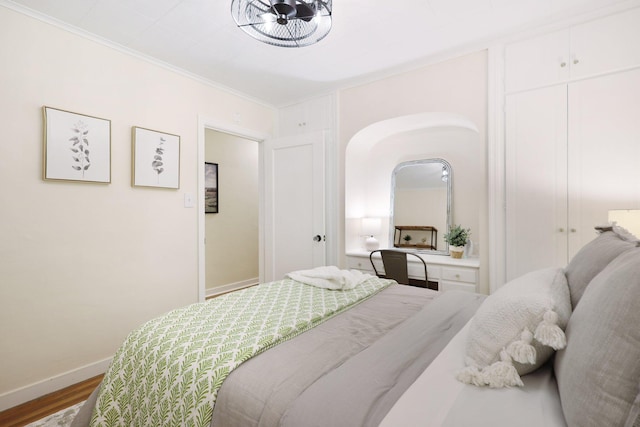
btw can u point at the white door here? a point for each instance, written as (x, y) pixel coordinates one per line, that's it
(604, 152)
(572, 154)
(536, 180)
(294, 204)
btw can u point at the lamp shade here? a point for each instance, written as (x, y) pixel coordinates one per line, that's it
(370, 226)
(628, 219)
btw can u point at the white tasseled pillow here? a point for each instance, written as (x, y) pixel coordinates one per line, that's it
(517, 328)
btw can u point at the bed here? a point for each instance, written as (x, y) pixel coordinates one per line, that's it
(402, 356)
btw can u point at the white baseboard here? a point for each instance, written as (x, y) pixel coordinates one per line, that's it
(212, 292)
(33, 391)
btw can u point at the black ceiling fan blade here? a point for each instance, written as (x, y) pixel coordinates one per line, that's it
(284, 7)
(305, 12)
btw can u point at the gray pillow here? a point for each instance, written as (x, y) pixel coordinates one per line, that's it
(598, 373)
(592, 258)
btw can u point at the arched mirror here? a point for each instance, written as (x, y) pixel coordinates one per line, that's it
(421, 205)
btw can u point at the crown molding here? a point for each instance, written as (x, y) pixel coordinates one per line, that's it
(127, 51)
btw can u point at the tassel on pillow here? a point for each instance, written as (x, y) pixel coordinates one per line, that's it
(517, 328)
(549, 333)
(497, 375)
(522, 351)
(471, 375)
(502, 373)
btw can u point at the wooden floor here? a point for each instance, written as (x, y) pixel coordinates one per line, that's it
(50, 404)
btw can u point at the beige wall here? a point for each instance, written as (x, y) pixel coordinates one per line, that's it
(232, 234)
(83, 264)
(456, 86)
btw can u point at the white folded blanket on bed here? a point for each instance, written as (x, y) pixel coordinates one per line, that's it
(330, 277)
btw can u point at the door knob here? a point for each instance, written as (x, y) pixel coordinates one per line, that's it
(317, 238)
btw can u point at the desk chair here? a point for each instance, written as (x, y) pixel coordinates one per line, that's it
(396, 268)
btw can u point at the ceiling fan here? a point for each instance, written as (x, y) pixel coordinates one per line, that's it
(285, 23)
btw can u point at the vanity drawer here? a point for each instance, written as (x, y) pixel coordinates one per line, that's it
(416, 271)
(449, 286)
(459, 275)
(360, 263)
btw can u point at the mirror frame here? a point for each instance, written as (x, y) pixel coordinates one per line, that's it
(449, 199)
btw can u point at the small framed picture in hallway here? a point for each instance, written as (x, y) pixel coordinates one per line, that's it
(210, 187)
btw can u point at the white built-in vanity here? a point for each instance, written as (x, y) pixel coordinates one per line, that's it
(400, 176)
(449, 273)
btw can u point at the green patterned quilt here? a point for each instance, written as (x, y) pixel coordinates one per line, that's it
(168, 372)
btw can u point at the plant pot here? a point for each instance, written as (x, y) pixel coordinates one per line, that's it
(456, 251)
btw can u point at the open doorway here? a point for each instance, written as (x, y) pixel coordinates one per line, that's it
(232, 234)
(252, 141)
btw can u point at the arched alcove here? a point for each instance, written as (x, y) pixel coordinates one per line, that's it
(373, 153)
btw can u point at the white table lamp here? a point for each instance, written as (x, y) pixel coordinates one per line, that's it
(371, 227)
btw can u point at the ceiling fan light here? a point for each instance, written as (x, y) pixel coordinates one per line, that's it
(286, 23)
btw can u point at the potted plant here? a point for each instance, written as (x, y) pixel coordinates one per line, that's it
(457, 238)
(407, 240)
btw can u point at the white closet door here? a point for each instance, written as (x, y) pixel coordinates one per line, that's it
(536, 168)
(604, 151)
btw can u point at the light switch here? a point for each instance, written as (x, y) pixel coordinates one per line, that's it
(188, 200)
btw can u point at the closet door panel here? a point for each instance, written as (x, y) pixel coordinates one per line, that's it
(604, 151)
(605, 45)
(537, 62)
(536, 181)
(310, 116)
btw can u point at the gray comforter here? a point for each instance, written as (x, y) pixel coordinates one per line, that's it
(348, 371)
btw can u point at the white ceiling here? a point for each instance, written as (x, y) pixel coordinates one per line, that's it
(369, 38)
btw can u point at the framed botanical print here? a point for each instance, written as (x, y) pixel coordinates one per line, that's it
(77, 147)
(156, 159)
